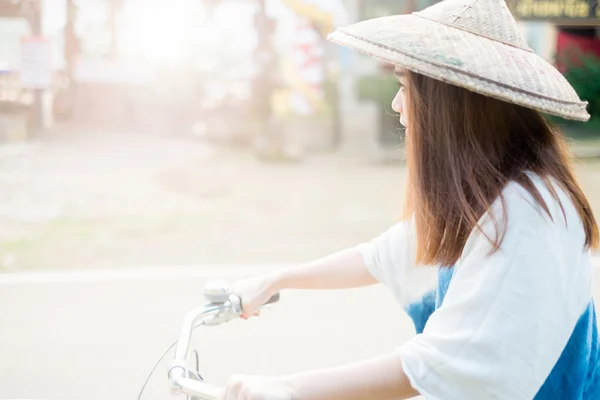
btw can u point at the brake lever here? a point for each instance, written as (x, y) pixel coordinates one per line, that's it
(219, 294)
(225, 312)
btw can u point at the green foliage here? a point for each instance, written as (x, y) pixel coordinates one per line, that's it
(584, 76)
(380, 88)
(583, 73)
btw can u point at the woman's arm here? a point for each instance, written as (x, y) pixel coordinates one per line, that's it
(366, 264)
(341, 270)
(379, 378)
(345, 269)
(369, 263)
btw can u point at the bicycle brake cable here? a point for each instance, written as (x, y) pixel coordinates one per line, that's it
(161, 358)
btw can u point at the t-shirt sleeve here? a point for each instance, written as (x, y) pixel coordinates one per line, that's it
(507, 315)
(390, 253)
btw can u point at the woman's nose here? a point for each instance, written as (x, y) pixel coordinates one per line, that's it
(397, 103)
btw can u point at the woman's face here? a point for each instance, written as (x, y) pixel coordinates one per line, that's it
(399, 102)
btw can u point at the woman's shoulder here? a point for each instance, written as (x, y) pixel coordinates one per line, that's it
(527, 223)
(540, 203)
(519, 195)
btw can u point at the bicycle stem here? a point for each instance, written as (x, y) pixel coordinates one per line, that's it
(210, 314)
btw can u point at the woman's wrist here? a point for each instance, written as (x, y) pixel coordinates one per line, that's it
(276, 282)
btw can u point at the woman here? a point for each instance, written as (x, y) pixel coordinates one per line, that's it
(494, 219)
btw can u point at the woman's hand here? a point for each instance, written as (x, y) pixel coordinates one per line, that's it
(242, 387)
(255, 292)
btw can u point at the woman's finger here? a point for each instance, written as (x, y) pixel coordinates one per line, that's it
(255, 314)
(233, 388)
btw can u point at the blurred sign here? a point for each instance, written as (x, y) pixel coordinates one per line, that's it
(36, 63)
(555, 9)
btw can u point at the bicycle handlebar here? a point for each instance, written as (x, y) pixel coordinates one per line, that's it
(213, 313)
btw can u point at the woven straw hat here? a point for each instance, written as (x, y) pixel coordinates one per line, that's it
(474, 44)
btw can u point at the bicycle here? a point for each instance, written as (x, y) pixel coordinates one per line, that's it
(223, 306)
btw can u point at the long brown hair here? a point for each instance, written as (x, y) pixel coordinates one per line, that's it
(462, 150)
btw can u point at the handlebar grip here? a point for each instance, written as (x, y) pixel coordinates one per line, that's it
(274, 299)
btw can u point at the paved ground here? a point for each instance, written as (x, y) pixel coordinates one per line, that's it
(107, 200)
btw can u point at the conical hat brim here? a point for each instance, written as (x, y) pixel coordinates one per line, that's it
(464, 59)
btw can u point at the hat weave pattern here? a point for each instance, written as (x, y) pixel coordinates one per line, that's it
(474, 44)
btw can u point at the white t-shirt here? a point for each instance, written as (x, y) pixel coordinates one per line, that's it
(506, 317)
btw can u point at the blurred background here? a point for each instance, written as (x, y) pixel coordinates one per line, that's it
(148, 145)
